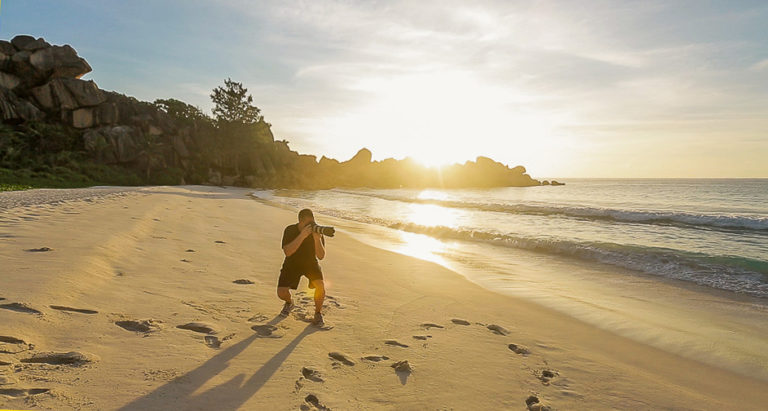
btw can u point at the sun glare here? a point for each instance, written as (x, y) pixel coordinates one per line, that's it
(444, 118)
(431, 215)
(422, 247)
(431, 161)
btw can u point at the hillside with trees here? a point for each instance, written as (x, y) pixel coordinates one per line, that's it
(60, 130)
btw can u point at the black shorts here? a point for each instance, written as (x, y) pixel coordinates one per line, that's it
(290, 277)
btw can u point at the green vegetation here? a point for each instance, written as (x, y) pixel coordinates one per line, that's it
(51, 155)
(14, 187)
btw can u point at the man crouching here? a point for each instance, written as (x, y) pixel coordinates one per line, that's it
(302, 248)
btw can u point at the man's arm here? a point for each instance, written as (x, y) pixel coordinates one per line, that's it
(319, 246)
(294, 245)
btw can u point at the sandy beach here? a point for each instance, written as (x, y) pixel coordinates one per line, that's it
(132, 300)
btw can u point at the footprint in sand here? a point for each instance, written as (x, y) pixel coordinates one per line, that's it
(220, 242)
(140, 326)
(243, 281)
(39, 250)
(20, 307)
(395, 343)
(375, 358)
(422, 337)
(22, 392)
(13, 345)
(431, 325)
(258, 318)
(75, 310)
(546, 376)
(198, 328)
(341, 357)
(459, 321)
(402, 366)
(8, 380)
(311, 402)
(57, 358)
(212, 341)
(497, 329)
(519, 349)
(533, 404)
(189, 250)
(266, 331)
(312, 374)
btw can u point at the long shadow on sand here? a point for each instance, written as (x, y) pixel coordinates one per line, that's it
(231, 395)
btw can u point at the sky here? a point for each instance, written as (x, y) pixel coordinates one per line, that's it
(564, 88)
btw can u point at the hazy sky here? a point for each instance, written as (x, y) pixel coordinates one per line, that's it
(565, 88)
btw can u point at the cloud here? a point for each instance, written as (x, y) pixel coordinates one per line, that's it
(596, 70)
(760, 65)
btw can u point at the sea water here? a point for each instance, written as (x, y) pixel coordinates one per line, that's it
(709, 232)
(680, 264)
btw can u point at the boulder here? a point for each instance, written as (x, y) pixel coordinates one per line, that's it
(123, 141)
(363, 157)
(94, 140)
(214, 177)
(179, 146)
(68, 94)
(154, 131)
(59, 61)
(107, 114)
(9, 81)
(28, 43)
(54, 96)
(21, 66)
(7, 48)
(86, 93)
(5, 62)
(15, 109)
(80, 118)
(113, 144)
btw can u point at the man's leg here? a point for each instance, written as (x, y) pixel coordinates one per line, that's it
(284, 294)
(319, 294)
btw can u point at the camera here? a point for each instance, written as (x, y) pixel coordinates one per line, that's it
(324, 230)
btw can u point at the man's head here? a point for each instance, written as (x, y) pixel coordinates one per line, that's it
(306, 217)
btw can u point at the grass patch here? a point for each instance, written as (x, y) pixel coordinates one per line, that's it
(14, 187)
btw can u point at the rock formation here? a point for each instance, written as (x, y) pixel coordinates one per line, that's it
(42, 83)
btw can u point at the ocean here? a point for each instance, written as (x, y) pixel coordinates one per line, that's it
(711, 232)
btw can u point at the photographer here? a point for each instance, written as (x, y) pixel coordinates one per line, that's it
(303, 245)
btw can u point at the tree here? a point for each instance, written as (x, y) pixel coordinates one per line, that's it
(233, 104)
(180, 110)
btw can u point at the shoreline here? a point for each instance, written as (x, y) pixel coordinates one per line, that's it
(650, 309)
(129, 266)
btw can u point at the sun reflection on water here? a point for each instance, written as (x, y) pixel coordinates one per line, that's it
(432, 195)
(427, 215)
(431, 215)
(423, 247)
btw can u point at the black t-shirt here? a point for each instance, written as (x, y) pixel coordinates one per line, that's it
(305, 254)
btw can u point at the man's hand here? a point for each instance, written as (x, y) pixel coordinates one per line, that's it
(306, 231)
